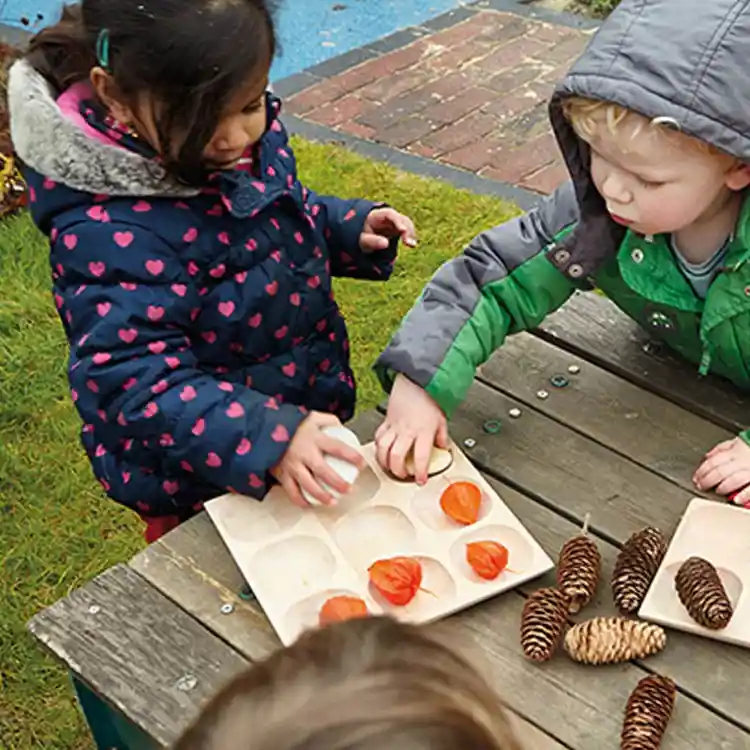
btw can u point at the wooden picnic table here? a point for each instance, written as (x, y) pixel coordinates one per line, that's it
(147, 643)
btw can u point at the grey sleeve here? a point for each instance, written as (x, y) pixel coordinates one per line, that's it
(448, 301)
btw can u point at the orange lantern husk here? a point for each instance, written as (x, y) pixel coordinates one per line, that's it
(397, 579)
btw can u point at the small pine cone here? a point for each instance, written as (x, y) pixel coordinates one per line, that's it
(545, 615)
(578, 571)
(647, 714)
(609, 640)
(701, 591)
(636, 566)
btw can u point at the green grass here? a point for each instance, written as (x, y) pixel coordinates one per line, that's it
(57, 530)
(595, 8)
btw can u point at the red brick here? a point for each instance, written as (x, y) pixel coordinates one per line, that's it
(505, 29)
(547, 179)
(445, 87)
(346, 108)
(457, 107)
(513, 54)
(408, 56)
(556, 74)
(404, 132)
(547, 32)
(354, 78)
(530, 125)
(477, 155)
(456, 57)
(420, 149)
(462, 133)
(410, 103)
(531, 157)
(355, 128)
(464, 31)
(511, 79)
(313, 97)
(390, 87)
(517, 103)
(566, 50)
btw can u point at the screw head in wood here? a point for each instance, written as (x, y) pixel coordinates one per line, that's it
(94, 609)
(542, 394)
(470, 443)
(574, 369)
(514, 413)
(559, 381)
(227, 609)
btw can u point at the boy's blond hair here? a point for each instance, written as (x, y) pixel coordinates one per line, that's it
(370, 684)
(587, 116)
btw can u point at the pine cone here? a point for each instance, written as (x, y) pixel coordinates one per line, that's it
(647, 714)
(578, 571)
(609, 640)
(545, 615)
(701, 591)
(636, 566)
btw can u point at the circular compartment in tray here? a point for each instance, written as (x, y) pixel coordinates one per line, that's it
(373, 533)
(426, 504)
(437, 591)
(520, 552)
(295, 564)
(305, 613)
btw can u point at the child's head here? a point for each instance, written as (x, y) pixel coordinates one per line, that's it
(653, 178)
(370, 684)
(188, 75)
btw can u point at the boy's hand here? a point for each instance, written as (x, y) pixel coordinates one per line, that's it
(304, 466)
(382, 225)
(415, 421)
(726, 469)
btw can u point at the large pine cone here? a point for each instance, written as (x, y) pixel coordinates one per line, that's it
(543, 621)
(578, 571)
(609, 640)
(636, 566)
(701, 591)
(647, 714)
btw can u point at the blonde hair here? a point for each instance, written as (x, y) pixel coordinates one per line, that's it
(587, 116)
(369, 684)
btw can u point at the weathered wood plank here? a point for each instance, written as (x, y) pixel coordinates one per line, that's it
(594, 328)
(144, 655)
(654, 432)
(705, 669)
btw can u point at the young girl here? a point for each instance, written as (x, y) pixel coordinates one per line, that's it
(371, 684)
(191, 269)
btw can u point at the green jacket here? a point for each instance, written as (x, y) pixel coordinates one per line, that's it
(511, 277)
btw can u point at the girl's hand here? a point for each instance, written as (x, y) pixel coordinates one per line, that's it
(726, 469)
(382, 225)
(304, 466)
(414, 421)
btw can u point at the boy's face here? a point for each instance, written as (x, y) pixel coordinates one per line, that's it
(654, 183)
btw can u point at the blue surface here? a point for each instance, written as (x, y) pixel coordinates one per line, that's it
(311, 31)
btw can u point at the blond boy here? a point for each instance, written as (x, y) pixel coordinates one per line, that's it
(654, 124)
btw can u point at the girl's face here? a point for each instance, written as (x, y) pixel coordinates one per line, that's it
(241, 125)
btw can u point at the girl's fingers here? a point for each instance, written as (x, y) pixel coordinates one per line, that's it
(725, 446)
(737, 480)
(441, 439)
(383, 448)
(712, 470)
(373, 242)
(293, 492)
(333, 447)
(323, 473)
(308, 483)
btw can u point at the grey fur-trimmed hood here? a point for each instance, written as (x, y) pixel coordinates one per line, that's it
(50, 144)
(682, 59)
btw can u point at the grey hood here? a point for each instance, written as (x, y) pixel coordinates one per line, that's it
(683, 59)
(57, 148)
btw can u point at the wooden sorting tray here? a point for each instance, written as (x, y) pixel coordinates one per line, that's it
(720, 534)
(295, 559)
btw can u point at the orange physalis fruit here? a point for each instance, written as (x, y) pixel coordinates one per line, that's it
(488, 559)
(461, 501)
(397, 579)
(340, 608)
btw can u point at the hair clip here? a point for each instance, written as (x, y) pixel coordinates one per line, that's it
(102, 48)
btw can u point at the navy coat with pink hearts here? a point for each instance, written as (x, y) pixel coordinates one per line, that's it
(202, 327)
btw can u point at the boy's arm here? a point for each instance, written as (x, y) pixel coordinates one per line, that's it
(343, 222)
(502, 283)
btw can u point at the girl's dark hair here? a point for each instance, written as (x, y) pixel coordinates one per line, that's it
(370, 684)
(191, 56)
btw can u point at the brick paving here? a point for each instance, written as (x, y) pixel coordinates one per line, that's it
(473, 96)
